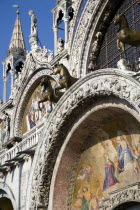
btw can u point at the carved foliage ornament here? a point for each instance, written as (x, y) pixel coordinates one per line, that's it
(132, 193)
(79, 37)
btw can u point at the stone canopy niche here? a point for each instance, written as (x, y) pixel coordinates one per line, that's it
(101, 156)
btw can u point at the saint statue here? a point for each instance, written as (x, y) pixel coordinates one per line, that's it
(33, 23)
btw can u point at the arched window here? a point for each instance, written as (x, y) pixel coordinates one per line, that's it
(109, 54)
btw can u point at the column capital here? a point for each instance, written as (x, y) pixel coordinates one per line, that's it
(12, 71)
(5, 78)
(55, 28)
(66, 19)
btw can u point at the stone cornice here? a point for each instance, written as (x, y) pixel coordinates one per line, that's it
(6, 105)
(56, 59)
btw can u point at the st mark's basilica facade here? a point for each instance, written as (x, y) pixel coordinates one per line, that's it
(70, 131)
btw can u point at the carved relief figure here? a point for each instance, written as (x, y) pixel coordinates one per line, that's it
(95, 51)
(7, 127)
(3, 132)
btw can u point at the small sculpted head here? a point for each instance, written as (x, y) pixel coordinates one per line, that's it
(31, 12)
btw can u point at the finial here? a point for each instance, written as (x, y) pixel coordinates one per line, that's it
(17, 6)
(18, 12)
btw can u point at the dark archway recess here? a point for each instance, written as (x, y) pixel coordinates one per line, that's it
(128, 206)
(19, 67)
(109, 54)
(5, 204)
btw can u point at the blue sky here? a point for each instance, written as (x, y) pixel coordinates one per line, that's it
(42, 9)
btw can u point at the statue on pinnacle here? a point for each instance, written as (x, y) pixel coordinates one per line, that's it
(34, 30)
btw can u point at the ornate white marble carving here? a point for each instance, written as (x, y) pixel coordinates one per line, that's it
(91, 22)
(80, 36)
(123, 64)
(127, 194)
(100, 83)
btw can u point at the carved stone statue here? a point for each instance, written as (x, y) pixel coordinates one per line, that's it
(94, 52)
(60, 45)
(33, 23)
(123, 64)
(125, 35)
(7, 126)
(66, 80)
(34, 32)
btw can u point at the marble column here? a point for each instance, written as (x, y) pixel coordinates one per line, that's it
(5, 89)
(12, 81)
(66, 22)
(55, 29)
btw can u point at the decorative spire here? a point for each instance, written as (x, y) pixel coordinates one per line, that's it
(17, 45)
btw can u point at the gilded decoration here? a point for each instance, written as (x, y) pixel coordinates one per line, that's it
(109, 161)
(35, 111)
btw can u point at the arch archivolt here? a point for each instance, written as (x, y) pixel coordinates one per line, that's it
(95, 18)
(76, 101)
